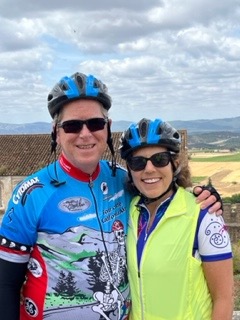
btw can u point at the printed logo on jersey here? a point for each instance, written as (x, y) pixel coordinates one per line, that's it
(9, 215)
(25, 189)
(74, 204)
(117, 195)
(217, 233)
(30, 307)
(104, 187)
(35, 268)
(113, 197)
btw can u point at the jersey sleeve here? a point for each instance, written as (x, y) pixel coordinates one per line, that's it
(213, 238)
(18, 230)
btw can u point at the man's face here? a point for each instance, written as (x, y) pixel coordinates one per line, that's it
(83, 149)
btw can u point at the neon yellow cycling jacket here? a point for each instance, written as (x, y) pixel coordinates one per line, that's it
(170, 284)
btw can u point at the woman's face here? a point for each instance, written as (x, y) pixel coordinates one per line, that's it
(152, 181)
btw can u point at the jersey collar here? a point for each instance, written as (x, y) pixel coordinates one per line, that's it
(77, 173)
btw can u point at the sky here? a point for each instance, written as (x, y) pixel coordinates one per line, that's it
(169, 59)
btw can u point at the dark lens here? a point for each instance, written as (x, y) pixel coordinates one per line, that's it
(72, 126)
(160, 159)
(137, 163)
(95, 124)
(75, 126)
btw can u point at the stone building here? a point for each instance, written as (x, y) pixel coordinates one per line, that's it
(232, 219)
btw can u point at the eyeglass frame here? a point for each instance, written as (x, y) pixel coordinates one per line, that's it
(169, 158)
(87, 122)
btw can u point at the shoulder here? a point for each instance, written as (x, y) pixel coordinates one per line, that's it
(213, 237)
(107, 165)
(37, 185)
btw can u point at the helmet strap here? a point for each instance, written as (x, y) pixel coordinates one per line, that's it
(54, 140)
(172, 185)
(110, 145)
(54, 181)
(147, 200)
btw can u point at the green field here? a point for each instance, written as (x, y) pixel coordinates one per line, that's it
(222, 158)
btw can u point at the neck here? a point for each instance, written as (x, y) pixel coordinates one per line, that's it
(76, 172)
(161, 197)
(152, 206)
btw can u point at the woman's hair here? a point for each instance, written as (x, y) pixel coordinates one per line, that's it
(184, 178)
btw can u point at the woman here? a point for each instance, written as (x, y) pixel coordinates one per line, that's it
(179, 256)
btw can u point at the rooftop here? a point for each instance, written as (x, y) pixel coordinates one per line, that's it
(23, 154)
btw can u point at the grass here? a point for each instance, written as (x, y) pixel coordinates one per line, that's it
(237, 292)
(196, 180)
(223, 158)
(236, 270)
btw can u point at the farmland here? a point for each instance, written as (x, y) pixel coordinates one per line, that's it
(222, 168)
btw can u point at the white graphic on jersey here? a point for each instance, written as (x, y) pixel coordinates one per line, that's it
(87, 217)
(117, 195)
(111, 273)
(23, 187)
(74, 204)
(35, 268)
(217, 233)
(104, 187)
(30, 307)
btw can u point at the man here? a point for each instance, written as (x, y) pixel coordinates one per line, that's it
(62, 252)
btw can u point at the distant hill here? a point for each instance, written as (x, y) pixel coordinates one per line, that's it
(192, 126)
(216, 125)
(214, 140)
(210, 134)
(25, 128)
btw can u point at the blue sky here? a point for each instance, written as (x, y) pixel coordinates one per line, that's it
(177, 60)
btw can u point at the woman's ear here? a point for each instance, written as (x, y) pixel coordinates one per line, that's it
(177, 163)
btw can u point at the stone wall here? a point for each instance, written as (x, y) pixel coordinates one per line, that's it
(232, 218)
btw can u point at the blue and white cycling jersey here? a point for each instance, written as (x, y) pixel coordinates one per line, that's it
(73, 238)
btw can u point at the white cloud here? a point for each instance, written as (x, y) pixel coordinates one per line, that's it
(178, 60)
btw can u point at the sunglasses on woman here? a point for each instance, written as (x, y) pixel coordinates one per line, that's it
(159, 160)
(75, 126)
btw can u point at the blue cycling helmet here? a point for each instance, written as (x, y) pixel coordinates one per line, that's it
(149, 133)
(78, 86)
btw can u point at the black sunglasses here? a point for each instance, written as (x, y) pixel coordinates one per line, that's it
(75, 126)
(160, 159)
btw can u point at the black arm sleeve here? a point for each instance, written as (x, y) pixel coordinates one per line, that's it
(12, 276)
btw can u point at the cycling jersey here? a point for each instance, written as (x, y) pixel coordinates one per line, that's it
(71, 231)
(208, 246)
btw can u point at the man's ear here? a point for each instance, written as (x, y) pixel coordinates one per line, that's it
(57, 136)
(110, 122)
(53, 138)
(55, 132)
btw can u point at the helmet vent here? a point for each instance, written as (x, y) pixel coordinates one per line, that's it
(176, 135)
(143, 129)
(159, 130)
(64, 86)
(79, 81)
